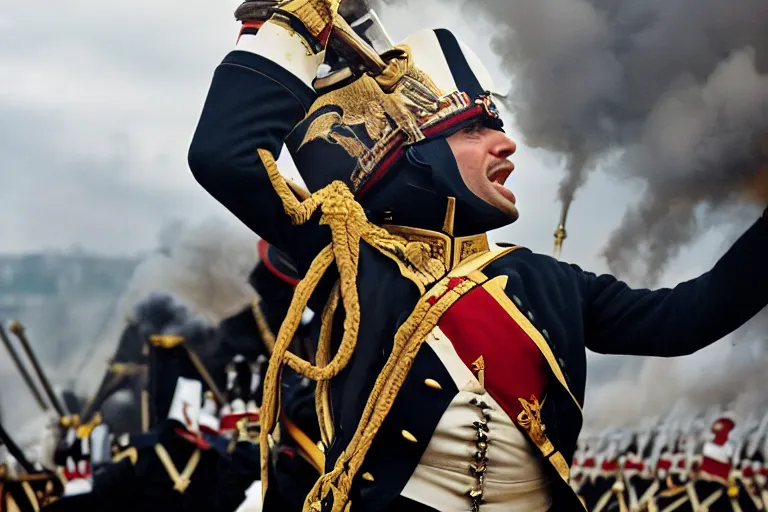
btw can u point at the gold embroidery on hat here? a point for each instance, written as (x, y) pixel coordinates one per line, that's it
(393, 108)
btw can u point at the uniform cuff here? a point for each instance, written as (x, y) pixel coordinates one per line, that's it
(285, 49)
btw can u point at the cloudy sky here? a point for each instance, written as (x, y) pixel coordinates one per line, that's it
(99, 100)
(98, 103)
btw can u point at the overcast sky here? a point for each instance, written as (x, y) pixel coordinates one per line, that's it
(98, 102)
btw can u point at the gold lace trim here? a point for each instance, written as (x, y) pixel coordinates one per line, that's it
(180, 481)
(349, 228)
(452, 251)
(166, 340)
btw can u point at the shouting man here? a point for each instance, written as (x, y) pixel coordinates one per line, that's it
(450, 373)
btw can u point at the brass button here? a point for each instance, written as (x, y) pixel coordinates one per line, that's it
(478, 468)
(530, 316)
(517, 300)
(368, 476)
(408, 436)
(545, 334)
(433, 384)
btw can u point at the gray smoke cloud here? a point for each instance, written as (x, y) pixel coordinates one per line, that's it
(163, 313)
(728, 376)
(197, 276)
(198, 272)
(670, 96)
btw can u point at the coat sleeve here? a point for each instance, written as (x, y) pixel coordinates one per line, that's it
(258, 94)
(683, 319)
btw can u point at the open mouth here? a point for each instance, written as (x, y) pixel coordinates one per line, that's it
(498, 177)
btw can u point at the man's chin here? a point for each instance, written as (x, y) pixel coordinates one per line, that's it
(510, 210)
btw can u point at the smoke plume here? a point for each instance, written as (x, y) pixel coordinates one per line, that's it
(197, 276)
(677, 89)
(161, 313)
(671, 97)
(726, 376)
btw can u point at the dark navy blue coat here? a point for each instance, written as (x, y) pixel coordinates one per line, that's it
(254, 104)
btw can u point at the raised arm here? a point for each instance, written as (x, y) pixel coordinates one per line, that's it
(686, 318)
(259, 93)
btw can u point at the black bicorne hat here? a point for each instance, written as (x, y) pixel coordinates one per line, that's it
(385, 135)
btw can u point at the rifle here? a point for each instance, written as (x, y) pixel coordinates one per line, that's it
(15, 451)
(22, 370)
(18, 329)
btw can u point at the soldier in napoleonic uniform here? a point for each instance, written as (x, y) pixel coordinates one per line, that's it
(82, 447)
(28, 492)
(450, 373)
(639, 473)
(251, 332)
(24, 486)
(746, 476)
(175, 467)
(714, 487)
(249, 336)
(609, 489)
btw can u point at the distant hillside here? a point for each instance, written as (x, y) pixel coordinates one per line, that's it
(62, 299)
(54, 274)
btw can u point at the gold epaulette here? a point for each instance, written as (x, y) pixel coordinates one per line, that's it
(166, 340)
(85, 430)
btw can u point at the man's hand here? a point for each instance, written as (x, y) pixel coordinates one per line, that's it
(316, 17)
(256, 10)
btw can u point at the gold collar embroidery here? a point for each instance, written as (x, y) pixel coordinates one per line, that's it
(451, 250)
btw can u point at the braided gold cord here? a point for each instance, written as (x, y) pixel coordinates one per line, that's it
(270, 404)
(408, 340)
(349, 226)
(262, 325)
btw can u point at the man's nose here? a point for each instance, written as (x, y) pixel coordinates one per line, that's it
(503, 146)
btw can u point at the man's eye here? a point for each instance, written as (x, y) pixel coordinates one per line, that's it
(474, 127)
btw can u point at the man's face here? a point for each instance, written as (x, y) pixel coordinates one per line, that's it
(481, 154)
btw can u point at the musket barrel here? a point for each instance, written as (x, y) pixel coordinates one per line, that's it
(23, 370)
(15, 451)
(203, 371)
(18, 329)
(110, 384)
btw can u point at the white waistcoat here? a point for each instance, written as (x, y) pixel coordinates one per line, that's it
(514, 479)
